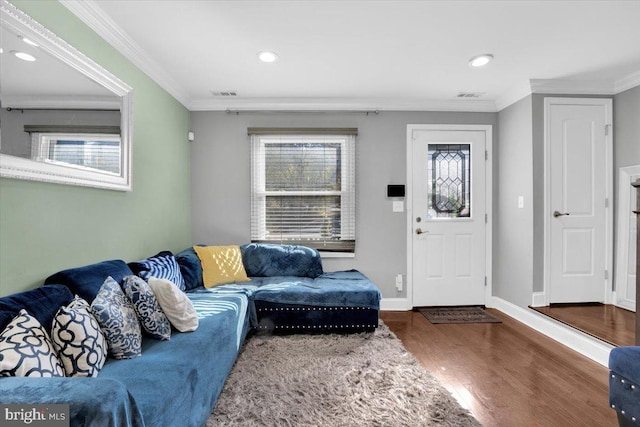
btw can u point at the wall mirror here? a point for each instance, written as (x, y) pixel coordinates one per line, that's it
(63, 118)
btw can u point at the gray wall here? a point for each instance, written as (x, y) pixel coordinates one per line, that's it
(513, 244)
(220, 176)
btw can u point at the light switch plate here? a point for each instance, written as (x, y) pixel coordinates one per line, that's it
(398, 206)
(520, 202)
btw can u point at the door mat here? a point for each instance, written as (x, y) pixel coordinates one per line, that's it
(458, 315)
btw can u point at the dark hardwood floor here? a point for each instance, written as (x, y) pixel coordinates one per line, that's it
(507, 374)
(607, 322)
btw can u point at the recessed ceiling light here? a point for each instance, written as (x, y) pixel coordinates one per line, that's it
(22, 55)
(267, 56)
(28, 41)
(480, 60)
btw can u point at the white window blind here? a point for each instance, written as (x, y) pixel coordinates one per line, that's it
(303, 189)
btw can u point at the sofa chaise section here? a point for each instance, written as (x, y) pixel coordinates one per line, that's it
(624, 384)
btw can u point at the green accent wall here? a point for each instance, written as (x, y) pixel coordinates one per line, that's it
(45, 228)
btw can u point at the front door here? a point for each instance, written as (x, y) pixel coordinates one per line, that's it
(577, 132)
(447, 209)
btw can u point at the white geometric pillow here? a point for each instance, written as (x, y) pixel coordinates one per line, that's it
(26, 350)
(175, 304)
(76, 336)
(118, 321)
(150, 314)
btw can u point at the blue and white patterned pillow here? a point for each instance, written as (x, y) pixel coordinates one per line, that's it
(149, 312)
(26, 350)
(118, 321)
(161, 266)
(76, 336)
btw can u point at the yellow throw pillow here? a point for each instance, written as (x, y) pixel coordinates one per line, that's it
(221, 265)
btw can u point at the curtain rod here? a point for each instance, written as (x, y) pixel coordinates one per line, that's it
(366, 112)
(21, 109)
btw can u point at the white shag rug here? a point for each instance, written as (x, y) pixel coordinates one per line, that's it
(365, 379)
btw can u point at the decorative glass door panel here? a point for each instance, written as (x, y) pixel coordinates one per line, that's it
(449, 180)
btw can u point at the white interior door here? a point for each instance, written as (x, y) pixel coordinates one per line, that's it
(447, 216)
(626, 249)
(576, 131)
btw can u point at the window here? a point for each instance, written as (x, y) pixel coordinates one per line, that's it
(303, 187)
(101, 152)
(449, 181)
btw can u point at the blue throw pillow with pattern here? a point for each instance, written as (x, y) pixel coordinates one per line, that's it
(160, 266)
(153, 320)
(118, 321)
(76, 336)
(26, 350)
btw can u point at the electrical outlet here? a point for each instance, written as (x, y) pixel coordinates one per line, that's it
(399, 282)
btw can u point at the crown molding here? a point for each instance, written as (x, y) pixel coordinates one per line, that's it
(91, 14)
(340, 104)
(573, 87)
(513, 95)
(627, 82)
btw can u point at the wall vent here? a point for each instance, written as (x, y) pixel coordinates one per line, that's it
(470, 94)
(224, 93)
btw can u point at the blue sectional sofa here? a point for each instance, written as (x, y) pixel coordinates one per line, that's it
(177, 382)
(624, 384)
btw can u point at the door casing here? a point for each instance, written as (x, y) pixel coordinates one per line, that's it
(608, 264)
(488, 130)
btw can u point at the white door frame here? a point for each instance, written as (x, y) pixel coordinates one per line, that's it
(624, 216)
(608, 104)
(488, 130)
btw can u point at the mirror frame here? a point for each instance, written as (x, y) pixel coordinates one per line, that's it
(22, 168)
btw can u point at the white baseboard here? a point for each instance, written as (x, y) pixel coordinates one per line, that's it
(538, 299)
(584, 344)
(395, 304)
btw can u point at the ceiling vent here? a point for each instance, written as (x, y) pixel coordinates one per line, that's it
(224, 93)
(470, 94)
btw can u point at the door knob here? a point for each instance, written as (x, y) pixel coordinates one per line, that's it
(556, 214)
(419, 231)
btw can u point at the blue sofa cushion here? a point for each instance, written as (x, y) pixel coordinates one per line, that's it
(191, 268)
(334, 289)
(624, 361)
(268, 260)
(42, 303)
(86, 281)
(161, 266)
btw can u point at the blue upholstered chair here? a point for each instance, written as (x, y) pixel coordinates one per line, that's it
(624, 384)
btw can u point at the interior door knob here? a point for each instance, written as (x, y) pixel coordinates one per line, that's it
(556, 214)
(419, 231)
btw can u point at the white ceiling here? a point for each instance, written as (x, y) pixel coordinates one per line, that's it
(393, 55)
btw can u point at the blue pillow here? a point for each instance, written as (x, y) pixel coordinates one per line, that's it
(191, 268)
(41, 303)
(86, 281)
(268, 260)
(26, 350)
(78, 340)
(151, 316)
(118, 321)
(160, 266)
